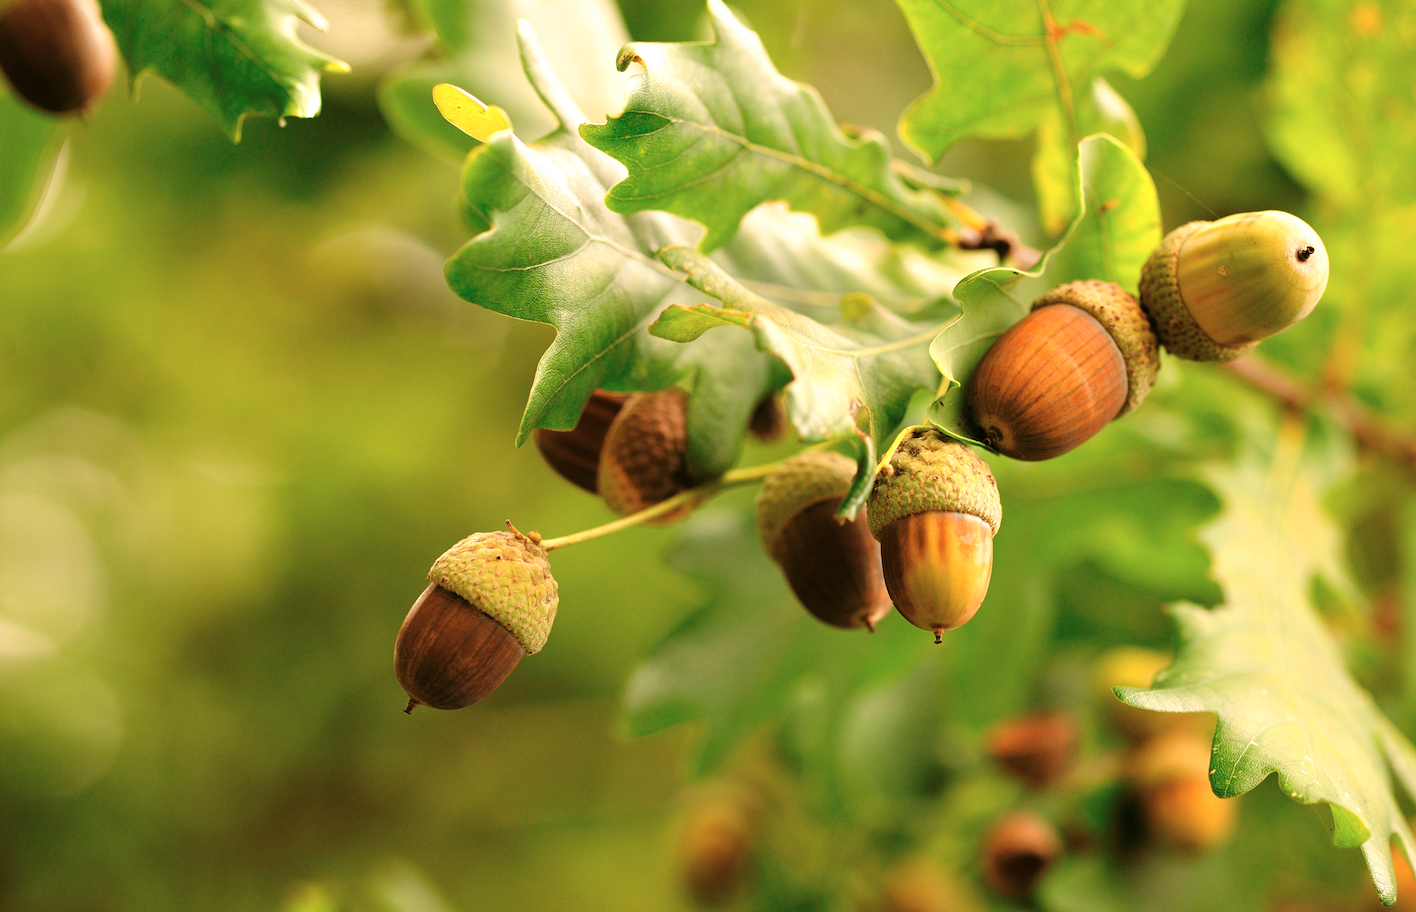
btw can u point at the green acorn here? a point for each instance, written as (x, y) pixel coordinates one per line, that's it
(833, 567)
(491, 600)
(1083, 357)
(935, 510)
(1216, 289)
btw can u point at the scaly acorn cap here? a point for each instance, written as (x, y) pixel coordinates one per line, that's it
(929, 473)
(506, 576)
(643, 460)
(1216, 289)
(803, 480)
(1122, 317)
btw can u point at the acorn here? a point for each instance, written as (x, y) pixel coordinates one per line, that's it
(491, 600)
(1017, 851)
(1170, 773)
(57, 54)
(769, 419)
(935, 510)
(644, 458)
(1037, 748)
(833, 567)
(1216, 289)
(716, 850)
(1084, 356)
(575, 454)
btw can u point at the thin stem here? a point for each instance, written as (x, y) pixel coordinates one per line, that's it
(694, 496)
(1367, 428)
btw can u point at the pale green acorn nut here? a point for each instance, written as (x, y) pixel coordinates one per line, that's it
(1216, 289)
(1129, 327)
(803, 480)
(929, 473)
(506, 576)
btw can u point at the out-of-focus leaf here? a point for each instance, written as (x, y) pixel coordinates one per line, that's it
(1353, 143)
(477, 50)
(1099, 110)
(29, 149)
(235, 58)
(1000, 68)
(1266, 666)
(735, 663)
(710, 130)
(870, 360)
(1109, 240)
(553, 253)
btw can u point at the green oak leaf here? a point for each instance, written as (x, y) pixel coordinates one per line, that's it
(1265, 664)
(1110, 239)
(476, 49)
(710, 130)
(1354, 145)
(736, 662)
(1001, 67)
(551, 252)
(872, 361)
(234, 58)
(29, 149)
(1100, 110)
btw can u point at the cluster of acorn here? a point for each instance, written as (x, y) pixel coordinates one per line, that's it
(1158, 783)
(1086, 354)
(1150, 793)
(57, 54)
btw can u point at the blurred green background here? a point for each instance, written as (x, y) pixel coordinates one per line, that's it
(240, 415)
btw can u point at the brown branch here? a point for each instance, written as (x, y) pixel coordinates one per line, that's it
(1366, 427)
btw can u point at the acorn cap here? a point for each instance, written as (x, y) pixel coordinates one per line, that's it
(1216, 289)
(929, 473)
(1122, 317)
(803, 480)
(507, 576)
(643, 459)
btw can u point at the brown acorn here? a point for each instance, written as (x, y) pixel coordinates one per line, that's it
(833, 567)
(1170, 773)
(716, 851)
(769, 420)
(1083, 357)
(643, 460)
(575, 454)
(935, 510)
(1216, 289)
(57, 54)
(1037, 749)
(1017, 851)
(491, 600)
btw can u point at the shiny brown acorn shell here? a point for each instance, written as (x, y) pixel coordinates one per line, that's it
(834, 567)
(1049, 383)
(937, 566)
(58, 54)
(1036, 748)
(575, 454)
(448, 654)
(1017, 851)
